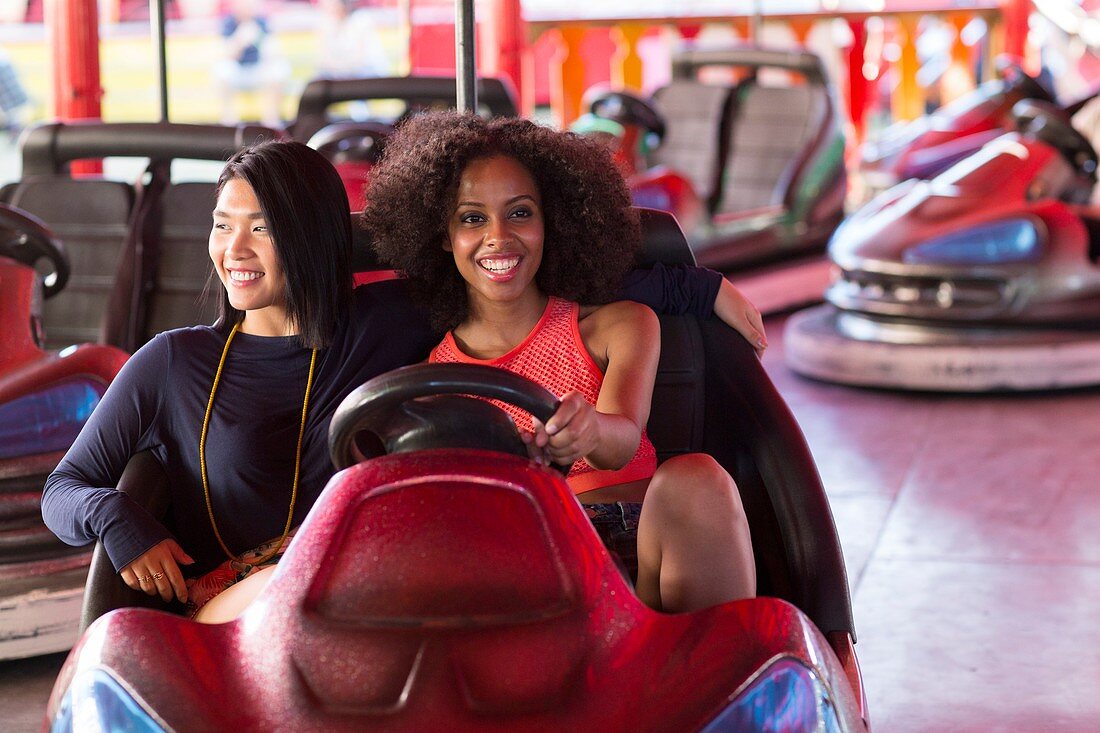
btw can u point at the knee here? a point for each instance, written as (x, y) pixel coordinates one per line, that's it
(695, 485)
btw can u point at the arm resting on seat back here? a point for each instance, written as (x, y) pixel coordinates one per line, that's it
(145, 482)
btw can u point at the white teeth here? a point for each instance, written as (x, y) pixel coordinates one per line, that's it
(499, 265)
(244, 276)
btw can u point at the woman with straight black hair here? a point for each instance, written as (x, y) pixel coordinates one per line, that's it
(310, 231)
(237, 413)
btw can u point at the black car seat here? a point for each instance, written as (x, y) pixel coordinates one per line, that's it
(145, 482)
(123, 263)
(711, 395)
(697, 118)
(773, 131)
(182, 268)
(93, 223)
(495, 96)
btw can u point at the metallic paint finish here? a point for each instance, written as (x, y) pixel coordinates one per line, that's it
(405, 603)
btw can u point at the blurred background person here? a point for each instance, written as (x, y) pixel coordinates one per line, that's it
(251, 62)
(350, 44)
(14, 102)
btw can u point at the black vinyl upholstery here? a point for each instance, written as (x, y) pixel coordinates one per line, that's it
(94, 223)
(182, 267)
(712, 395)
(145, 482)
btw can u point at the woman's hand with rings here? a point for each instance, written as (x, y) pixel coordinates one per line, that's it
(157, 572)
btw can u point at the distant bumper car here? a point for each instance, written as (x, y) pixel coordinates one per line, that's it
(750, 155)
(348, 120)
(45, 397)
(984, 278)
(456, 585)
(929, 145)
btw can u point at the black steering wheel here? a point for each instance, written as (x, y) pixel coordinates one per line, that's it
(627, 109)
(429, 406)
(26, 239)
(1047, 122)
(344, 142)
(1027, 85)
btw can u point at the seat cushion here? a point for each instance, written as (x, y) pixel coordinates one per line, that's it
(92, 224)
(183, 262)
(771, 131)
(696, 116)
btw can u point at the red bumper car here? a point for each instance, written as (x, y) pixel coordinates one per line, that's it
(45, 397)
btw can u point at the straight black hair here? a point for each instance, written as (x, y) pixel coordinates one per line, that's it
(306, 210)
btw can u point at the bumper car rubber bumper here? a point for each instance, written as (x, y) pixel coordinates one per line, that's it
(848, 348)
(40, 606)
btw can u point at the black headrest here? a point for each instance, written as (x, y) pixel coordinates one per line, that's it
(496, 95)
(662, 240)
(48, 148)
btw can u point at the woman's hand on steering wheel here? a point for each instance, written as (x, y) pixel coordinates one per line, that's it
(157, 572)
(570, 434)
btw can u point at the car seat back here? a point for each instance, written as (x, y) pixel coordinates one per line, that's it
(696, 123)
(113, 230)
(770, 137)
(712, 395)
(183, 264)
(94, 223)
(495, 96)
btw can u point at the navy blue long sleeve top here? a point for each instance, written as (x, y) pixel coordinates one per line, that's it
(158, 400)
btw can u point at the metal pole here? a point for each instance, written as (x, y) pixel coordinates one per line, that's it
(465, 55)
(757, 22)
(76, 81)
(156, 21)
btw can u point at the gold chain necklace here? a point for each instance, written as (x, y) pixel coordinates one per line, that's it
(297, 455)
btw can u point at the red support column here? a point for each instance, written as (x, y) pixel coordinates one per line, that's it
(74, 27)
(1014, 14)
(502, 42)
(857, 81)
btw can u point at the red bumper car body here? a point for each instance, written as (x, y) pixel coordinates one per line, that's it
(451, 590)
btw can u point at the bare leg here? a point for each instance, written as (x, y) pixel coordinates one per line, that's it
(229, 604)
(694, 549)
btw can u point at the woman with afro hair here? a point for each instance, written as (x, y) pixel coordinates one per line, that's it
(516, 237)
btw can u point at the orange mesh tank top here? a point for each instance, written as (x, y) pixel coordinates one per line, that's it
(554, 356)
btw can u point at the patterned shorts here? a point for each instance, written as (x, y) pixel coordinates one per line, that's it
(201, 589)
(617, 526)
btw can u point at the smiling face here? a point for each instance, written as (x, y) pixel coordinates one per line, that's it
(496, 231)
(245, 259)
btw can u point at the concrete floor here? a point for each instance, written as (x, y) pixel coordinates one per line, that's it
(967, 525)
(968, 528)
